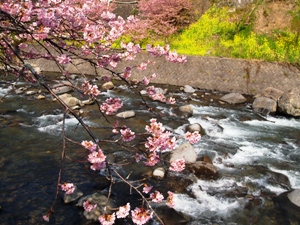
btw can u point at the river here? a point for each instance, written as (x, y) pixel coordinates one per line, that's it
(257, 158)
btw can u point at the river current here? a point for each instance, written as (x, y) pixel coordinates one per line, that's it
(257, 158)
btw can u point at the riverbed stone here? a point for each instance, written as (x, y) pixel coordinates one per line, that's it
(62, 88)
(203, 170)
(188, 89)
(159, 173)
(272, 93)
(185, 151)
(289, 203)
(39, 97)
(294, 197)
(70, 100)
(170, 216)
(195, 127)
(68, 198)
(100, 200)
(289, 103)
(264, 105)
(108, 86)
(185, 111)
(126, 114)
(31, 92)
(233, 98)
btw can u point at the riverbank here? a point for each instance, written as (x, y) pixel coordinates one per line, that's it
(209, 73)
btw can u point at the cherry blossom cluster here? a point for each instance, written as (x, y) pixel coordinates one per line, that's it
(96, 157)
(171, 56)
(193, 138)
(153, 94)
(157, 197)
(111, 105)
(127, 134)
(160, 140)
(91, 90)
(177, 165)
(89, 24)
(69, 188)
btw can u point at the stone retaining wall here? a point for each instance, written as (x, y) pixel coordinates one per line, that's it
(210, 73)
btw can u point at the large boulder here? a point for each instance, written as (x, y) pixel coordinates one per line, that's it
(185, 151)
(264, 105)
(289, 103)
(233, 98)
(71, 101)
(294, 197)
(185, 110)
(289, 204)
(108, 86)
(272, 93)
(204, 170)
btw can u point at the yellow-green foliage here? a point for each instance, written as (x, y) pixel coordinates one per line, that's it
(217, 34)
(203, 35)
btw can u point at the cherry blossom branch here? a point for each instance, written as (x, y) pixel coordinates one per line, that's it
(63, 154)
(142, 196)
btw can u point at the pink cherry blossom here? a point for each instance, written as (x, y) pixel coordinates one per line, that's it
(170, 200)
(131, 47)
(138, 157)
(170, 100)
(123, 211)
(153, 76)
(89, 89)
(142, 66)
(147, 189)
(111, 105)
(97, 158)
(193, 137)
(177, 165)
(89, 145)
(69, 188)
(127, 73)
(152, 159)
(64, 59)
(88, 206)
(145, 81)
(127, 134)
(141, 216)
(160, 139)
(46, 218)
(107, 219)
(156, 196)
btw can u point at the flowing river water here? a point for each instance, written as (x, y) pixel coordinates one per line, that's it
(257, 158)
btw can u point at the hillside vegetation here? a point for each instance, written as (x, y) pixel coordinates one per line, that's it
(263, 30)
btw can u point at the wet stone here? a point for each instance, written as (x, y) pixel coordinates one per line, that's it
(203, 170)
(102, 208)
(68, 198)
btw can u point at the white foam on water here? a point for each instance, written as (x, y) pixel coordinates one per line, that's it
(52, 124)
(4, 91)
(285, 122)
(261, 183)
(249, 152)
(294, 176)
(206, 205)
